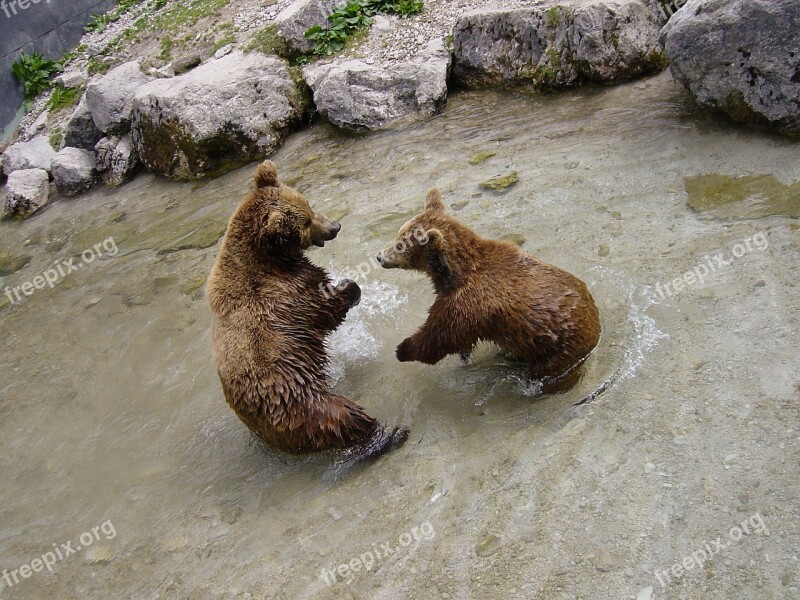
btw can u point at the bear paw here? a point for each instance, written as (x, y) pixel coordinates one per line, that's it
(350, 289)
(403, 351)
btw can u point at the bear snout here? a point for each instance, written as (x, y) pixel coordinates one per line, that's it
(325, 234)
(383, 261)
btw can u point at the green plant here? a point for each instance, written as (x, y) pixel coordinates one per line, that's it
(98, 23)
(97, 66)
(166, 48)
(348, 19)
(55, 138)
(228, 38)
(63, 97)
(34, 71)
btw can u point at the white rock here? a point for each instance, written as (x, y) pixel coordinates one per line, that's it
(220, 115)
(27, 191)
(224, 51)
(72, 79)
(35, 154)
(110, 98)
(645, 594)
(299, 17)
(356, 95)
(74, 171)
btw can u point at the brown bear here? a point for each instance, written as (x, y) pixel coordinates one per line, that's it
(491, 291)
(272, 311)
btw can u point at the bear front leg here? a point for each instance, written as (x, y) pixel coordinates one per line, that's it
(432, 343)
(344, 296)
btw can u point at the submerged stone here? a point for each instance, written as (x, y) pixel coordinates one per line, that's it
(748, 197)
(514, 238)
(502, 183)
(481, 156)
(11, 263)
(488, 545)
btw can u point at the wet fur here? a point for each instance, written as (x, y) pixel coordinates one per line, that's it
(270, 321)
(491, 291)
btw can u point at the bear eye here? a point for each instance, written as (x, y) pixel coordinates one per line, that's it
(307, 223)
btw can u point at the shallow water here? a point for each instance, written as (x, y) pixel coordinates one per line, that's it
(111, 410)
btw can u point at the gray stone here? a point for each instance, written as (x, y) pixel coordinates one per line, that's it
(217, 117)
(27, 190)
(558, 46)
(741, 57)
(74, 171)
(224, 51)
(110, 98)
(116, 159)
(186, 63)
(293, 22)
(72, 79)
(40, 122)
(35, 154)
(355, 95)
(80, 130)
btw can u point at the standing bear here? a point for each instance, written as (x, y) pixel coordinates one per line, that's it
(271, 318)
(490, 291)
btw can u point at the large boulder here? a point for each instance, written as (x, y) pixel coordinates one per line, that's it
(80, 130)
(110, 98)
(292, 23)
(117, 159)
(219, 116)
(355, 95)
(27, 190)
(34, 154)
(741, 57)
(74, 171)
(558, 45)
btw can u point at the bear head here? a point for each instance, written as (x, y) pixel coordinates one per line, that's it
(433, 242)
(275, 218)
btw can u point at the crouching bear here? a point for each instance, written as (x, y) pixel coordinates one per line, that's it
(270, 322)
(490, 291)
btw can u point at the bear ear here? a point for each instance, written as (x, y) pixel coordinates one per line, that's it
(266, 175)
(435, 240)
(275, 224)
(434, 201)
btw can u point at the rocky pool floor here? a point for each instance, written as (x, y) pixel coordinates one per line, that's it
(112, 418)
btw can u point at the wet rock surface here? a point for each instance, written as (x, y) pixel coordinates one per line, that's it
(741, 57)
(74, 171)
(80, 130)
(356, 95)
(220, 115)
(557, 46)
(35, 154)
(27, 190)
(117, 159)
(110, 97)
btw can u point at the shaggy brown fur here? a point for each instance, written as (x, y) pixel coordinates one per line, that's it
(273, 310)
(491, 291)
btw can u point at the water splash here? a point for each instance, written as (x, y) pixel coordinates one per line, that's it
(357, 340)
